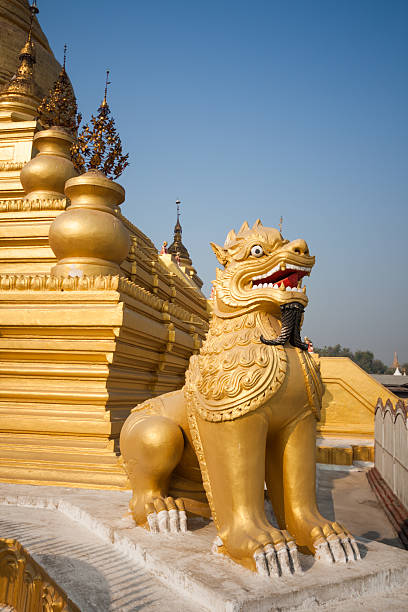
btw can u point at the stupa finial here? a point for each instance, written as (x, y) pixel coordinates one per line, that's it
(65, 56)
(178, 202)
(29, 48)
(22, 81)
(107, 83)
(177, 247)
(98, 146)
(59, 108)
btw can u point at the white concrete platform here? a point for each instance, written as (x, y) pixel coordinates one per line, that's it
(127, 568)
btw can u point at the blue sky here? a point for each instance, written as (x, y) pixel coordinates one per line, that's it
(263, 108)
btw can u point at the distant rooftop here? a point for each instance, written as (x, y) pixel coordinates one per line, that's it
(395, 384)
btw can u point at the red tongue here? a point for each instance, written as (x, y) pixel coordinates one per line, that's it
(291, 280)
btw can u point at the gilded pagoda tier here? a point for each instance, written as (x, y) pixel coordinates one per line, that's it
(76, 354)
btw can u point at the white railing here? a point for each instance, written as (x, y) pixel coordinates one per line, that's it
(391, 446)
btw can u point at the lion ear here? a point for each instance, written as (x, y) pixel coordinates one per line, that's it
(230, 239)
(220, 253)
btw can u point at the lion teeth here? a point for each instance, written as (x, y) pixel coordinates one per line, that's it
(281, 266)
(301, 268)
(281, 287)
(275, 269)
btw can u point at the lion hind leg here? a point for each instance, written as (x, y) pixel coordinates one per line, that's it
(152, 446)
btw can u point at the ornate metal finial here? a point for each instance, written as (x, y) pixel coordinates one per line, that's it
(280, 224)
(107, 82)
(59, 108)
(34, 10)
(178, 211)
(98, 146)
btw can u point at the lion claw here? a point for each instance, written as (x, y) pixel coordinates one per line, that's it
(279, 560)
(337, 546)
(166, 516)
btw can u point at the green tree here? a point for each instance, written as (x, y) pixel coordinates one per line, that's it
(334, 351)
(365, 359)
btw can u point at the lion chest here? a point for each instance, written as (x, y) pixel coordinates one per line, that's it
(236, 373)
(291, 399)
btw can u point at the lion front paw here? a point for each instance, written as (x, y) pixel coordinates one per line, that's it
(273, 559)
(334, 544)
(166, 515)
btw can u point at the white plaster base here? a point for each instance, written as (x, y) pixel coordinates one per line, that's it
(185, 564)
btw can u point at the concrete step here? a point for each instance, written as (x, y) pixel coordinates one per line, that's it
(94, 575)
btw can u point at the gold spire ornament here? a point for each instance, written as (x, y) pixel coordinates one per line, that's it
(21, 94)
(177, 247)
(98, 146)
(59, 108)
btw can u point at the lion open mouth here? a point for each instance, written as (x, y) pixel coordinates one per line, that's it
(285, 274)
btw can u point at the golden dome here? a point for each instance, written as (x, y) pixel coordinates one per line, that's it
(14, 24)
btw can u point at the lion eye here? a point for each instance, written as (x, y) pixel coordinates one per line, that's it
(257, 250)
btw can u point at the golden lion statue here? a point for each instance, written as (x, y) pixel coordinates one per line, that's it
(246, 415)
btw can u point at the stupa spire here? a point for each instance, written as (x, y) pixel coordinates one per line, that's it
(396, 365)
(107, 83)
(21, 91)
(177, 247)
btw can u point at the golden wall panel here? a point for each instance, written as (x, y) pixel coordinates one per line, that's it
(75, 356)
(349, 399)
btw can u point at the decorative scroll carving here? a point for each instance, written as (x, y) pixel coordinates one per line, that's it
(9, 166)
(22, 205)
(46, 282)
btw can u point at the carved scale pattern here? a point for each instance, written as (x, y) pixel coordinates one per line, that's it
(235, 373)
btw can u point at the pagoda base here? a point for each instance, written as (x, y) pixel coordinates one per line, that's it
(76, 355)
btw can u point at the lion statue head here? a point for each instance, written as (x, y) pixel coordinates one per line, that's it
(262, 271)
